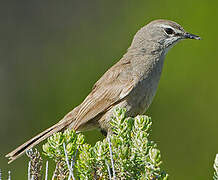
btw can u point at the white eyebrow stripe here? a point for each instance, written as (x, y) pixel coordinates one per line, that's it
(166, 26)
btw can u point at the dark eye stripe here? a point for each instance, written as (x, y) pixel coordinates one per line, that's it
(169, 31)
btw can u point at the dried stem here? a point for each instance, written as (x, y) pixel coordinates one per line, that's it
(111, 157)
(68, 164)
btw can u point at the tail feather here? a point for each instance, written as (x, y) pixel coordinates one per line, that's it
(35, 140)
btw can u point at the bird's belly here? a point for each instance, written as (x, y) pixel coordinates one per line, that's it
(137, 102)
(142, 96)
(134, 105)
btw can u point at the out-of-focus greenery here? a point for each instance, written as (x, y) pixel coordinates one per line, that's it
(133, 154)
(53, 52)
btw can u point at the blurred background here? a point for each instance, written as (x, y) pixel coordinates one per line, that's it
(52, 52)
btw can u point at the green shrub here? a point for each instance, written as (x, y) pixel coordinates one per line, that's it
(127, 153)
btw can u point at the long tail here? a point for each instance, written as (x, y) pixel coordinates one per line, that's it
(35, 140)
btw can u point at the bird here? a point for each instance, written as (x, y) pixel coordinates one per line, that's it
(131, 83)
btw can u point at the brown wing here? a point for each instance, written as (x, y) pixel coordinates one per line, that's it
(112, 87)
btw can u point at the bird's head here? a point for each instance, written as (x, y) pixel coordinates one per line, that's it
(163, 32)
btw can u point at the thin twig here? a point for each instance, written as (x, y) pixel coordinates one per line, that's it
(216, 167)
(29, 153)
(68, 165)
(111, 157)
(9, 175)
(46, 171)
(109, 171)
(29, 175)
(54, 174)
(73, 160)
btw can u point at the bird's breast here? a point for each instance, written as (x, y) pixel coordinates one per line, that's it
(146, 87)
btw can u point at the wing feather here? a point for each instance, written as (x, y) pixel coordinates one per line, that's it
(112, 87)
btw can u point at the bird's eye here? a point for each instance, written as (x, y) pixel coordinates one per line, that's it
(169, 31)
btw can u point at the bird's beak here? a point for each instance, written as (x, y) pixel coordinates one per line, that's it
(191, 36)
